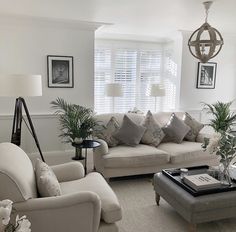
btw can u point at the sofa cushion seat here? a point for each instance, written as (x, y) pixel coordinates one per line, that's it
(139, 156)
(185, 151)
(94, 182)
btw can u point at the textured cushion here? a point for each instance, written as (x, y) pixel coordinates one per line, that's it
(108, 131)
(153, 134)
(194, 125)
(94, 182)
(130, 133)
(47, 182)
(139, 156)
(175, 130)
(185, 152)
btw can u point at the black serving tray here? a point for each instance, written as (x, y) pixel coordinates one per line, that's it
(174, 175)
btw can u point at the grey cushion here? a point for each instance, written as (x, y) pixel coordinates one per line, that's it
(175, 129)
(48, 185)
(153, 134)
(194, 125)
(140, 156)
(107, 132)
(130, 133)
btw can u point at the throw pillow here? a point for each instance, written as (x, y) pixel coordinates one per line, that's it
(175, 130)
(107, 132)
(194, 125)
(153, 134)
(47, 183)
(130, 133)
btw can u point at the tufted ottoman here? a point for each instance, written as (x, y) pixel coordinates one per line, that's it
(195, 209)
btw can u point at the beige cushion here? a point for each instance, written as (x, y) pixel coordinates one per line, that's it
(48, 185)
(163, 117)
(194, 125)
(130, 133)
(184, 152)
(94, 182)
(107, 132)
(17, 175)
(175, 130)
(153, 134)
(139, 156)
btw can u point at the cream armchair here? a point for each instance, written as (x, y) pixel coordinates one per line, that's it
(87, 203)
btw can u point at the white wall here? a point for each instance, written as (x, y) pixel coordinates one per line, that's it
(225, 89)
(24, 46)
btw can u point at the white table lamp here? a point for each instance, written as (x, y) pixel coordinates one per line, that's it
(21, 86)
(114, 90)
(157, 90)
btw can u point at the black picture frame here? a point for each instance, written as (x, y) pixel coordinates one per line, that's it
(206, 75)
(60, 71)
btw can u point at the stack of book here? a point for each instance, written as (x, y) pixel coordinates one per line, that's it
(201, 182)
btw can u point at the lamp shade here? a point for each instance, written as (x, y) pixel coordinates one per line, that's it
(114, 90)
(157, 90)
(21, 85)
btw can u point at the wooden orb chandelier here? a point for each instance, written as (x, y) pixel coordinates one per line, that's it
(206, 42)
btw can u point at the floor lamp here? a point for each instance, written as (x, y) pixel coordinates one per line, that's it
(114, 90)
(157, 90)
(21, 86)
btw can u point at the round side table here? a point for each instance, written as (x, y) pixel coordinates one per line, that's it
(86, 144)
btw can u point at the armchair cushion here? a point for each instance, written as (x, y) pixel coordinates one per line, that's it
(47, 182)
(94, 182)
(68, 171)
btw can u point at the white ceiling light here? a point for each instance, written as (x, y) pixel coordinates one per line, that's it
(206, 42)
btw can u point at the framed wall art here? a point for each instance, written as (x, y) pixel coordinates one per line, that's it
(206, 76)
(60, 71)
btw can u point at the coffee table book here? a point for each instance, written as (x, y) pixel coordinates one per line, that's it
(201, 182)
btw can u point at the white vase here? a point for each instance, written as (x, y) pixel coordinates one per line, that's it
(78, 140)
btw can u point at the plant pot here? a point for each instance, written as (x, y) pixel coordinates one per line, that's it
(78, 140)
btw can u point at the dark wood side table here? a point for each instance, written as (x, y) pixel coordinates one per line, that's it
(86, 144)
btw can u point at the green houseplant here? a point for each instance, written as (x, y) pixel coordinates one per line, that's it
(223, 119)
(223, 143)
(77, 122)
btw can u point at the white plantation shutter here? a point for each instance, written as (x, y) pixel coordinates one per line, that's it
(136, 68)
(150, 72)
(125, 63)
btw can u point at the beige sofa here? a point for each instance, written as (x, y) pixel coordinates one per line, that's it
(87, 203)
(143, 159)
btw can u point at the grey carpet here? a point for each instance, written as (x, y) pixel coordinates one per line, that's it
(141, 214)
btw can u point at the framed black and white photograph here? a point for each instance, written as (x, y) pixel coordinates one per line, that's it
(60, 71)
(206, 77)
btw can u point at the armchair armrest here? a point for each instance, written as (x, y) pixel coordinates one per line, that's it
(98, 154)
(79, 211)
(68, 171)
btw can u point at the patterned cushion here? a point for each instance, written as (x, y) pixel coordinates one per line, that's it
(194, 125)
(175, 130)
(154, 134)
(130, 133)
(47, 183)
(107, 132)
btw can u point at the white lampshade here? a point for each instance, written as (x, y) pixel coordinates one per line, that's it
(21, 85)
(157, 90)
(114, 90)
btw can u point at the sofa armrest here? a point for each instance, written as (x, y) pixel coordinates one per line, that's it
(98, 154)
(64, 213)
(68, 171)
(201, 136)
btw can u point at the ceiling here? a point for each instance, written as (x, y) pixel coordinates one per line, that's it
(132, 18)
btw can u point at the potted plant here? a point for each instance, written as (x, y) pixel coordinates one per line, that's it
(223, 143)
(77, 122)
(223, 119)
